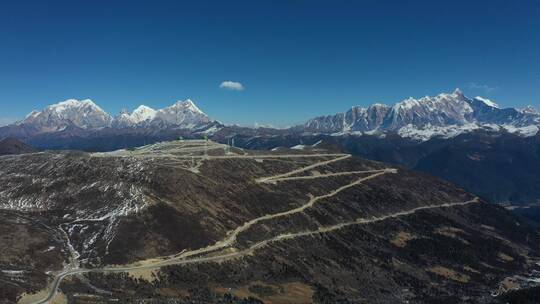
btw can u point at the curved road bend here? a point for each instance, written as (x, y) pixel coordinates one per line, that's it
(56, 282)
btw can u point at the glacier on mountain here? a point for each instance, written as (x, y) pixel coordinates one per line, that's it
(445, 115)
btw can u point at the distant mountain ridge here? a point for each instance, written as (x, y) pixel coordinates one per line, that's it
(446, 114)
(85, 114)
(10, 146)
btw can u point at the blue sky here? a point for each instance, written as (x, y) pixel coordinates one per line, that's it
(294, 59)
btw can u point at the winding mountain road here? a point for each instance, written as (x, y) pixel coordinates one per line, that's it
(227, 256)
(197, 255)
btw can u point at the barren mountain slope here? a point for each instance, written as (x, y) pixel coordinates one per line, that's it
(202, 221)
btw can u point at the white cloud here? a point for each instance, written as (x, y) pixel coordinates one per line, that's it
(232, 85)
(4, 121)
(481, 87)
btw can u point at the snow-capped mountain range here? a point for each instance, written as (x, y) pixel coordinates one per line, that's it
(447, 115)
(86, 114)
(140, 115)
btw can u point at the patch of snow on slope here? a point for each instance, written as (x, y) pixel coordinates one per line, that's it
(407, 104)
(487, 102)
(429, 131)
(523, 131)
(317, 143)
(33, 114)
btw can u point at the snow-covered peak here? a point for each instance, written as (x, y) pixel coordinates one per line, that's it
(140, 115)
(70, 104)
(406, 104)
(72, 112)
(187, 105)
(487, 102)
(143, 113)
(32, 114)
(456, 95)
(143, 108)
(529, 110)
(431, 102)
(439, 110)
(378, 105)
(124, 112)
(181, 114)
(66, 103)
(457, 92)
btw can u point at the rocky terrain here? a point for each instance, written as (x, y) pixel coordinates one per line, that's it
(202, 222)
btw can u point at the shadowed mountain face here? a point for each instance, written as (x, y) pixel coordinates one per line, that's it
(14, 146)
(200, 221)
(503, 169)
(499, 167)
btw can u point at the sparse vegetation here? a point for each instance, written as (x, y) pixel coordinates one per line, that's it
(419, 257)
